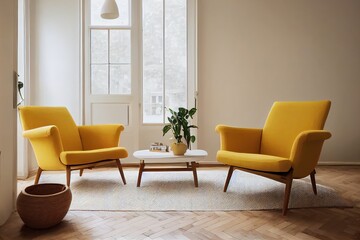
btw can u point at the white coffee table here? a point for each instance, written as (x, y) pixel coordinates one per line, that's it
(190, 158)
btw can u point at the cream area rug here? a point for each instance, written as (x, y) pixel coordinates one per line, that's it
(166, 191)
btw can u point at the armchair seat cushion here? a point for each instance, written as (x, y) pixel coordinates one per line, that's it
(252, 161)
(92, 156)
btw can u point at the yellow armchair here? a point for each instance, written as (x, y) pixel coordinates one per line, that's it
(59, 144)
(287, 148)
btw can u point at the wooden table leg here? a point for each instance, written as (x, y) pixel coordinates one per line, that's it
(141, 168)
(193, 166)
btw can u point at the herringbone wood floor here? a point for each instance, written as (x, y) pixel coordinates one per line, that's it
(320, 223)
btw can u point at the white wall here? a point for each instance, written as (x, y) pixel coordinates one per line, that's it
(8, 61)
(254, 52)
(250, 54)
(55, 56)
(22, 159)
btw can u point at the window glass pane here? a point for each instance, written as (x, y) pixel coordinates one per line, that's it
(175, 54)
(120, 79)
(152, 60)
(110, 51)
(99, 79)
(99, 46)
(122, 20)
(120, 46)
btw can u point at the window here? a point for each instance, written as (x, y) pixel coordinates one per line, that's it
(149, 51)
(165, 55)
(110, 51)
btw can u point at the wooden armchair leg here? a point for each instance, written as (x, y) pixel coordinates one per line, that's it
(231, 170)
(313, 182)
(68, 175)
(118, 163)
(38, 174)
(287, 194)
(81, 172)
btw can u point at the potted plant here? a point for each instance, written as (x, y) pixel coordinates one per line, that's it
(179, 123)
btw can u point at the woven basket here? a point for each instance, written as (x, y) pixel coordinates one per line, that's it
(43, 205)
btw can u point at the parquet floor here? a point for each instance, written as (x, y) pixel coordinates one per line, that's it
(320, 223)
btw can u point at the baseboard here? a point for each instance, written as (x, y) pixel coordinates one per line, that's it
(22, 177)
(217, 164)
(339, 163)
(210, 164)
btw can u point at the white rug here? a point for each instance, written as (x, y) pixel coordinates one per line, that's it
(164, 191)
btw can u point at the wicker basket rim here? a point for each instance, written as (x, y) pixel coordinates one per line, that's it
(66, 188)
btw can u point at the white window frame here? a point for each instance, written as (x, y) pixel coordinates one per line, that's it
(89, 27)
(86, 63)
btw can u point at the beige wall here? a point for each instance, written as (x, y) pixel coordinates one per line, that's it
(250, 54)
(254, 52)
(8, 65)
(55, 54)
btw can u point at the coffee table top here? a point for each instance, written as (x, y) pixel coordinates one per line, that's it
(164, 156)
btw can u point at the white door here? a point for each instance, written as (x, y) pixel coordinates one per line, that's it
(8, 101)
(111, 75)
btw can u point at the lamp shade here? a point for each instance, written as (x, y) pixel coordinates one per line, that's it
(109, 10)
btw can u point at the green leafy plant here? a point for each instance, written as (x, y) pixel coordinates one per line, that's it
(179, 123)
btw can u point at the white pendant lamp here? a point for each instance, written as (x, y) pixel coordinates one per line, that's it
(109, 10)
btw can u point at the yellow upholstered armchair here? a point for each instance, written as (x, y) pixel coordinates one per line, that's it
(59, 144)
(287, 148)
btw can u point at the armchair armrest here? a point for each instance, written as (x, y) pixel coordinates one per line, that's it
(47, 146)
(246, 140)
(39, 132)
(305, 152)
(100, 136)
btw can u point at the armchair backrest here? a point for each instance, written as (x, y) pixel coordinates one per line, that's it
(286, 120)
(39, 116)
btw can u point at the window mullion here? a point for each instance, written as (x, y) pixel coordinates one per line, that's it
(109, 61)
(164, 63)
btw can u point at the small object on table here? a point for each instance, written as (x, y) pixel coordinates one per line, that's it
(159, 147)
